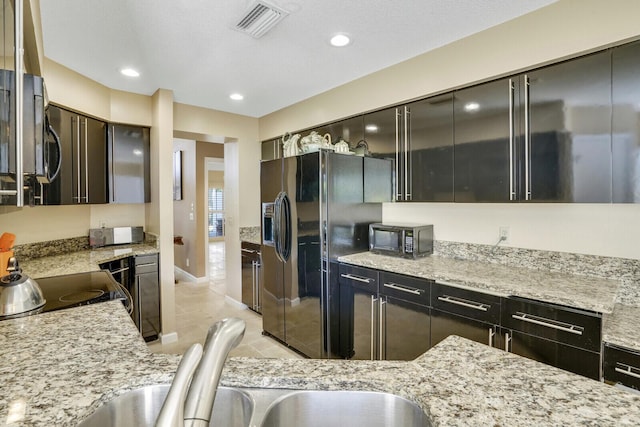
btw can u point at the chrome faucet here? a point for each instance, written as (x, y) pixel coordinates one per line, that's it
(195, 410)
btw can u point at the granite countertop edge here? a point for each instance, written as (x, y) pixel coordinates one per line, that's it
(457, 383)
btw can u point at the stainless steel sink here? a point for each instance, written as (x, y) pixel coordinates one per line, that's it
(140, 407)
(264, 407)
(354, 408)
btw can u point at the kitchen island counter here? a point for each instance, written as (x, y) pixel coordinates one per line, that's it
(58, 367)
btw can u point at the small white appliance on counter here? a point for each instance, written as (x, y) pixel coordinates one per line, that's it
(402, 240)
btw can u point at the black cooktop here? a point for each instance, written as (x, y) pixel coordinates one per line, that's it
(73, 290)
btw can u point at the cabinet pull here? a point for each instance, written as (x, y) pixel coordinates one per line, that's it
(398, 174)
(404, 288)
(491, 335)
(382, 339)
(77, 120)
(507, 340)
(407, 154)
(112, 164)
(86, 161)
(120, 270)
(554, 324)
(248, 251)
(464, 303)
(527, 142)
(627, 370)
(374, 300)
(512, 194)
(356, 278)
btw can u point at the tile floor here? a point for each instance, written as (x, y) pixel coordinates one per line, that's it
(200, 305)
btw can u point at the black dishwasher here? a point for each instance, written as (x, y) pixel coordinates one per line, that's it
(139, 275)
(145, 291)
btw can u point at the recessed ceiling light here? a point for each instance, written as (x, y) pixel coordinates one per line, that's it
(340, 40)
(236, 97)
(130, 72)
(471, 106)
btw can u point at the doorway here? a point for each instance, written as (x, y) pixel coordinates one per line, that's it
(215, 223)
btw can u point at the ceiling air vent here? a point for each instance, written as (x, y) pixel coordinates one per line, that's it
(260, 18)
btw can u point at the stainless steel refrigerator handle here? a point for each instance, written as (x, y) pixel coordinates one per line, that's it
(549, 323)
(275, 224)
(253, 284)
(527, 142)
(491, 335)
(407, 156)
(356, 278)
(396, 180)
(374, 300)
(512, 194)
(139, 303)
(403, 288)
(381, 318)
(464, 302)
(626, 370)
(286, 244)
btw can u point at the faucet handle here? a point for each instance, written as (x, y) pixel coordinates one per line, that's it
(172, 411)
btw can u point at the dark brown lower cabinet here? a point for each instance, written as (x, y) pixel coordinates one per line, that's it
(621, 365)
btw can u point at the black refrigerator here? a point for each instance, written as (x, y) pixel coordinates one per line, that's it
(316, 207)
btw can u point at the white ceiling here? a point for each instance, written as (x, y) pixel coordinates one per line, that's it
(190, 46)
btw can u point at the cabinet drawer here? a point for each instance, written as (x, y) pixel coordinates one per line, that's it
(406, 288)
(622, 366)
(467, 303)
(146, 259)
(565, 325)
(360, 277)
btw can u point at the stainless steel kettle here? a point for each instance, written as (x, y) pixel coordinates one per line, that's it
(19, 294)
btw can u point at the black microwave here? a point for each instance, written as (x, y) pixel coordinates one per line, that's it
(403, 240)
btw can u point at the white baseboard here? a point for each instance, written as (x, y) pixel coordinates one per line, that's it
(185, 276)
(235, 303)
(168, 338)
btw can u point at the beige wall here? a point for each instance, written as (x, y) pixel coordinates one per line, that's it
(564, 29)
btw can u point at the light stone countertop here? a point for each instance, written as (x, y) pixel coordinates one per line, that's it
(56, 368)
(588, 293)
(81, 261)
(621, 327)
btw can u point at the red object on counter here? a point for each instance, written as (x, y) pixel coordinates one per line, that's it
(6, 241)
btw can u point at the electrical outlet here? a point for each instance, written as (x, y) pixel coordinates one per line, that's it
(503, 233)
(187, 262)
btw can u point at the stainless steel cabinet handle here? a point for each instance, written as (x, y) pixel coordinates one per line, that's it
(464, 302)
(374, 300)
(403, 288)
(527, 142)
(120, 270)
(86, 161)
(382, 339)
(248, 251)
(397, 177)
(112, 164)
(512, 194)
(356, 278)
(507, 340)
(77, 120)
(627, 370)
(491, 335)
(554, 324)
(407, 154)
